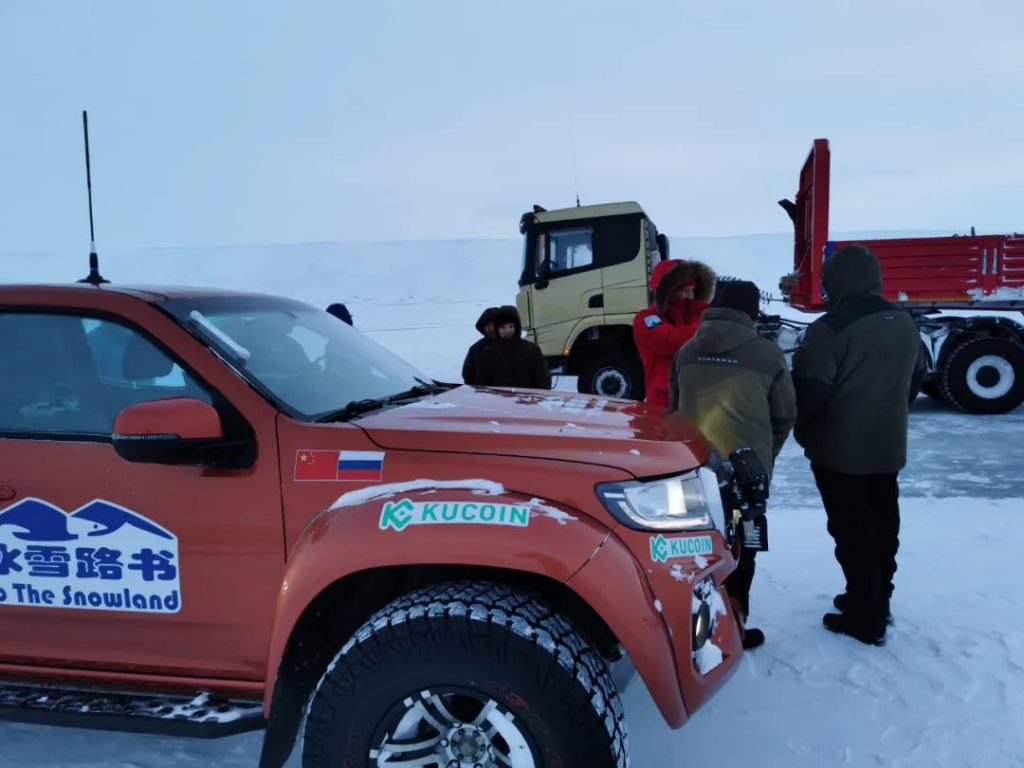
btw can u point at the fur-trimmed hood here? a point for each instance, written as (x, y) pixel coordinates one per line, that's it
(508, 314)
(669, 276)
(486, 317)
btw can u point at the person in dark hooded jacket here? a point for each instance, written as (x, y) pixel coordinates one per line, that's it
(485, 325)
(682, 290)
(510, 360)
(735, 386)
(854, 374)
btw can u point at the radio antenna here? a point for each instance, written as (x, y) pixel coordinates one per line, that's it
(572, 146)
(94, 278)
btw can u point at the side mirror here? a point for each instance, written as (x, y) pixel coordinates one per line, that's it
(180, 430)
(663, 247)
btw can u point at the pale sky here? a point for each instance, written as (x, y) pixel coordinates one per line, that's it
(224, 123)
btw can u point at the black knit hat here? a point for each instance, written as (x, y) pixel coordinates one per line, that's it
(741, 295)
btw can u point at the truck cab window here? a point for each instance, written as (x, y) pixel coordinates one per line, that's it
(568, 249)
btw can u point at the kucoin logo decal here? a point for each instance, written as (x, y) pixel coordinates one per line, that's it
(399, 515)
(100, 557)
(663, 550)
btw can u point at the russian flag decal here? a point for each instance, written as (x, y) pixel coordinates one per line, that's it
(343, 466)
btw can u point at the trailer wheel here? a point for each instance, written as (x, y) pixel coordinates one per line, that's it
(612, 375)
(984, 375)
(458, 675)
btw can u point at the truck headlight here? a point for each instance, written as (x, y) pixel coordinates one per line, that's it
(686, 502)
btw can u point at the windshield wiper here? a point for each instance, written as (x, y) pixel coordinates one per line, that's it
(355, 408)
(358, 407)
(423, 388)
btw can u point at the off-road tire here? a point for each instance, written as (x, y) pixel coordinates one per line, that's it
(505, 644)
(961, 388)
(596, 373)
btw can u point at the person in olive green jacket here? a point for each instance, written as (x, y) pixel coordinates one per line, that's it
(736, 387)
(855, 372)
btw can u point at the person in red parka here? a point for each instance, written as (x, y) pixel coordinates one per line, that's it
(682, 291)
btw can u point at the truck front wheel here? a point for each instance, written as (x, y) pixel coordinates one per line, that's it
(612, 375)
(466, 675)
(984, 375)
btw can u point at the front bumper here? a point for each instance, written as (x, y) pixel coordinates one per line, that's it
(687, 576)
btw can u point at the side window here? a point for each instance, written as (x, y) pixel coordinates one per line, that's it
(73, 375)
(619, 240)
(567, 249)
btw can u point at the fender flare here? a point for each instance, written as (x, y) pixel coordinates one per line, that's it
(341, 542)
(561, 544)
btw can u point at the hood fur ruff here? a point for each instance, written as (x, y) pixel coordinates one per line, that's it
(694, 273)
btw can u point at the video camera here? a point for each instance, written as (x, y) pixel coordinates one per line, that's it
(743, 482)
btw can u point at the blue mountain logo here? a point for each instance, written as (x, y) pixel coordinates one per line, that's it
(37, 520)
(111, 517)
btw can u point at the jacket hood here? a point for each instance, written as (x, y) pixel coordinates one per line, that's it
(508, 314)
(723, 330)
(851, 273)
(486, 317)
(668, 276)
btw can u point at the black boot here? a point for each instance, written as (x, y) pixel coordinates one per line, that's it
(752, 638)
(842, 604)
(867, 632)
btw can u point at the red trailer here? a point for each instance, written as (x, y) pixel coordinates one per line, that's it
(976, 362)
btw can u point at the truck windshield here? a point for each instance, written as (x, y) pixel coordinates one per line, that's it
(306, 361)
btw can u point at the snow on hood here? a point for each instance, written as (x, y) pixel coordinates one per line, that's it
(619, 434)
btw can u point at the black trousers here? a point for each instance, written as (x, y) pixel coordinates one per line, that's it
(737, 583)
(864, 520)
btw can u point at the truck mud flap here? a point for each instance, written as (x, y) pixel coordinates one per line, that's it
(198, 715)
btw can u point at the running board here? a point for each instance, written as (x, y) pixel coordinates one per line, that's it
(201, 716)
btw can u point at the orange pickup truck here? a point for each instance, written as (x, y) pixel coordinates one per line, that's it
(222, 511)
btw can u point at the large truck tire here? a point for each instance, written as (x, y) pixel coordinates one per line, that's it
(612, 375)
(466, 674)
(985, 375)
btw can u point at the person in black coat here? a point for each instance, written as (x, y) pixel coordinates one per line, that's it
(510, 360)
(489, 332)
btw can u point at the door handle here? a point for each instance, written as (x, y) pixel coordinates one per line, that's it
(7, 493)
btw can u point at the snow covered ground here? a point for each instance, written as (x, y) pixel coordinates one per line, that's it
(948, 690)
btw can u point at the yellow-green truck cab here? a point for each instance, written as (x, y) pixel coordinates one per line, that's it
(586, 273)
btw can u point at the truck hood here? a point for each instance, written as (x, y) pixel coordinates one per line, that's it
(620, 434)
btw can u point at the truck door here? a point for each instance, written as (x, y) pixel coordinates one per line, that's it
(118, 566)
(563, 282)
(627, 251)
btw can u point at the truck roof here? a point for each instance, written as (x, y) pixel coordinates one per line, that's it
(587, 212)
(150, 293)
